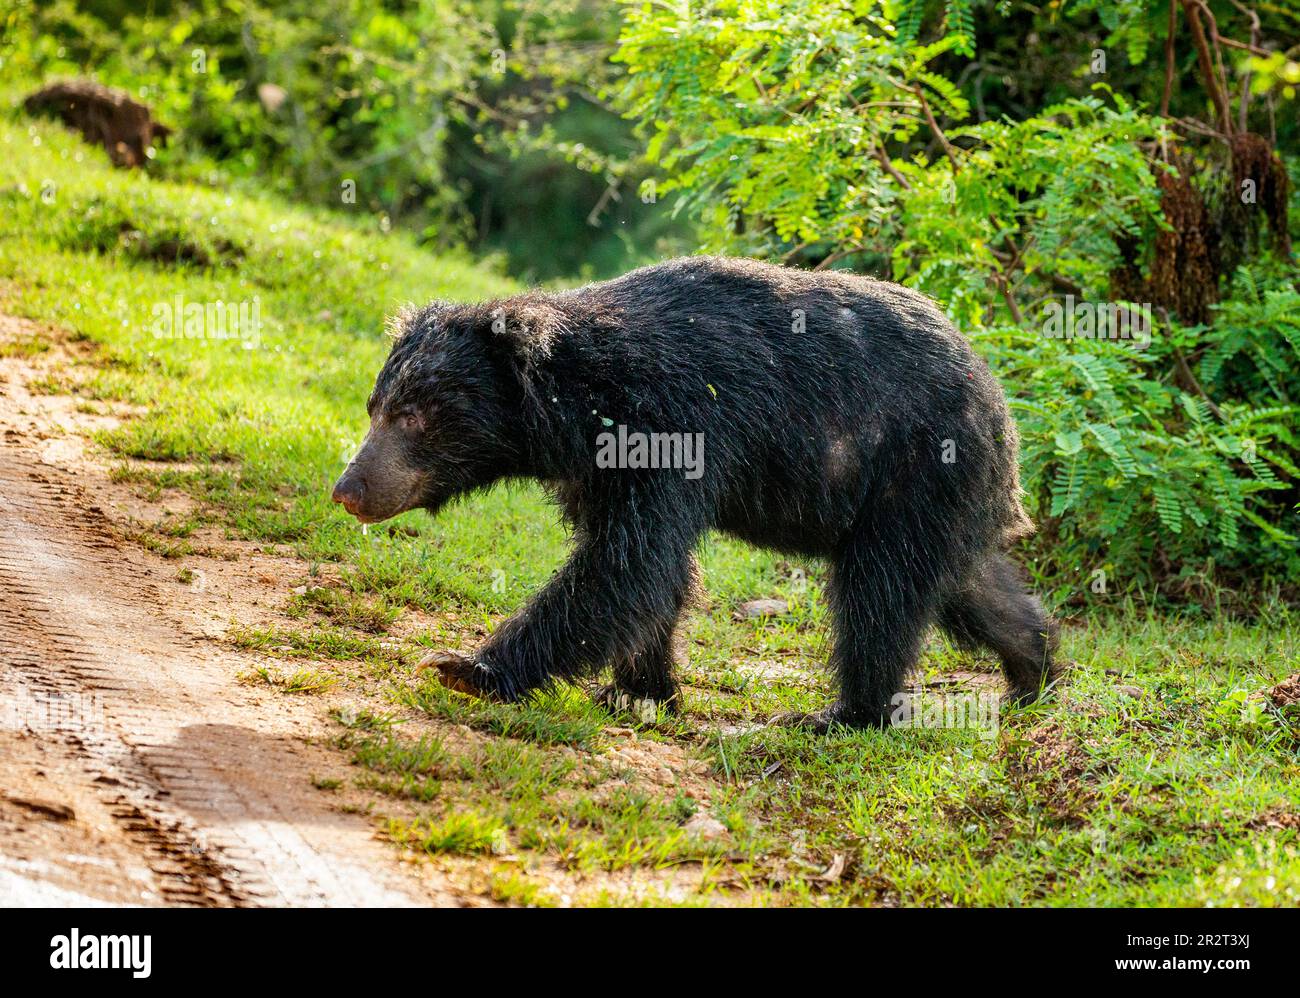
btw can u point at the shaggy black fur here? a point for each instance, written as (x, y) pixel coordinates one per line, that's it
(842, 418)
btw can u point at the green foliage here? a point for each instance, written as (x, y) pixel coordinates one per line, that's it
(1126, 468)
(474, 121)
(303, 95)
(1049, 193)
(1130, 23)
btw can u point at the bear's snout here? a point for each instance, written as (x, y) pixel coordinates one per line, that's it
(350, 490)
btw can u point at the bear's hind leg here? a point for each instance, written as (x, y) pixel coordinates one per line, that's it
(885, 581)
(993, 609)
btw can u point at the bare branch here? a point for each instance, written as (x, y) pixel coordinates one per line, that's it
(890, 168)
(1193, 8)
(1169, 58)
(949, 149)
(1244, 104)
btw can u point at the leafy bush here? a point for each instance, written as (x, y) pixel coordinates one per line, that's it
(304, 95)
(1132, 476)
(475, 121)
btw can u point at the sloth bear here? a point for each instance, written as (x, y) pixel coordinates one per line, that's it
(817, 414)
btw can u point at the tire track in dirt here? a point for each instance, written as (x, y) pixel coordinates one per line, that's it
(81, 640)
(205, 783)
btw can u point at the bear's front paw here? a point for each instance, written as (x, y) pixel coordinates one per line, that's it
(455, 671)
(824, 721)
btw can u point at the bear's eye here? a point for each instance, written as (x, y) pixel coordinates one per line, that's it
(409, 419)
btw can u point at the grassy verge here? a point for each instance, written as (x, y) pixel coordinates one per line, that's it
(1165, 773)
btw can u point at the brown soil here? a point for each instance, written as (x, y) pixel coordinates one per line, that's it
(136, 768)
(1286, 693)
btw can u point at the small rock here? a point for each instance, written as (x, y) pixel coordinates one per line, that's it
(663, 776)
(734, 730)
(758, 608)
(705, 826)
(1286, 693)
(645, 711)
(1130, 691)
(835, 871)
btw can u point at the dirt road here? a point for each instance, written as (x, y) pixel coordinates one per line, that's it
(134, 767)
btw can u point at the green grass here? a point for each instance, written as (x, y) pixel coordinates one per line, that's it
(345, 609)
(301, 681)
(1104, 798)
(1160, 775)
(457, 832)
(268, 428)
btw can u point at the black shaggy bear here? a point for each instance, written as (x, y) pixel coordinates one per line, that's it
(820, 414)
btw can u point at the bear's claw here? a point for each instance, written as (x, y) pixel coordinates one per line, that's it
(455, 671)
(643, 709)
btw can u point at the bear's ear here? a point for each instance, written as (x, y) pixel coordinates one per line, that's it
(418, 320)
(525, 328)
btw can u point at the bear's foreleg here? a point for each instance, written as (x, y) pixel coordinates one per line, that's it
(616, 600)
(644, 682)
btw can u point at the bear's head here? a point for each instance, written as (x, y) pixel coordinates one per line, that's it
(445, 409)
